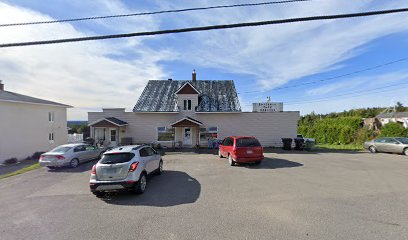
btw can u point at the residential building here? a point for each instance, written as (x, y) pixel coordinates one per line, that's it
(29, 125)
(398, 117)
(188, 113)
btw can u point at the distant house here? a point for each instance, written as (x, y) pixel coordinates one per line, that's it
(29, 125)
(189, 113)
(398, 117)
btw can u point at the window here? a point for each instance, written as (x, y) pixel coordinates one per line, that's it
(247, 142)
(187, 105)
(208, 133)
(80, 148)
(143, 152)
(228, 142)
(51, 116)
(89, 148)
(51, 137)
(165, 134)
(116, 158)
(150, 151)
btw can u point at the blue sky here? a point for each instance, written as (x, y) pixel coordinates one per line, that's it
(272, 60)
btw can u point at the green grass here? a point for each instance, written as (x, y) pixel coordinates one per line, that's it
(23, 170)
(352, 147)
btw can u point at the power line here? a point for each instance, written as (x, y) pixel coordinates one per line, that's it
(206, 28)
(359, 93)
(334, 77)
(151, 13)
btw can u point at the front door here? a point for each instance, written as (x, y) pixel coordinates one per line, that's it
(187, 139)
(113, 137)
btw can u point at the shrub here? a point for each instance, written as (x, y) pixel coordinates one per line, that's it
(393, 130)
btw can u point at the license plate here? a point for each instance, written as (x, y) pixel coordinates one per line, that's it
(250, 151)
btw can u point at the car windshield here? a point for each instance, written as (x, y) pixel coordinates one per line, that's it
(403, 140)
(61, 149)
(248, 142)
(113, 158)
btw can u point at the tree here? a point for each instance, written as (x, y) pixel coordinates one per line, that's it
(393, 129)
(399, 107)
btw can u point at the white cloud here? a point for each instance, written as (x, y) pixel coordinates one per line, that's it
(277, 54)
(84, 75)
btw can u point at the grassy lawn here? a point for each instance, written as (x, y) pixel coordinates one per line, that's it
(23, 170)
(352, 147)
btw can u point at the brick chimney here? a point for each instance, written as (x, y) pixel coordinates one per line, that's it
(1, 86)
(194, 77)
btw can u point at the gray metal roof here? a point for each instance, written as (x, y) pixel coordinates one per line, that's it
(394, 115)
(16, 97)
(216, 96)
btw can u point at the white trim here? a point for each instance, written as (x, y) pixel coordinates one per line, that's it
(188, 119)
(156, 112)
(102, 119)
(219, 112)
(47, 104)
(195, 89)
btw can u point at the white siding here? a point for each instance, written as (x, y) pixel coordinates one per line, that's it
(24, 129)
(269, 128)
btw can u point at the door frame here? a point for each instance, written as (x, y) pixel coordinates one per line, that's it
(190, 143)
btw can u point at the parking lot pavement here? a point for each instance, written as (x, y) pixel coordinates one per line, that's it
(291, 195)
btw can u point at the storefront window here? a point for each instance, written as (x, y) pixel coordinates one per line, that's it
(165, 134)
(209, 133)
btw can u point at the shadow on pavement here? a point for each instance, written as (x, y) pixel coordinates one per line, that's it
(273, 163)
(82, 167)
(169, 189)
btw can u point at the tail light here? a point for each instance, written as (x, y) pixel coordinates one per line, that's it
(93, 170)
(59, 157)
(133, 166)
(42, 157)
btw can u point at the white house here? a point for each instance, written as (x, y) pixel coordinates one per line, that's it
(29, 125)
(189, 113)
(397, 117)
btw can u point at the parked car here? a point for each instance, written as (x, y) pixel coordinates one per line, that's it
(392, 145)
(125, 168)
(70, 155)
(241, 149)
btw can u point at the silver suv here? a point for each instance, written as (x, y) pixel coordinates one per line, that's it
(125, 168)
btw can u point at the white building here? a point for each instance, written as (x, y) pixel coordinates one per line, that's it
(267, 106)
(397, 117)
(188, 114)
(29, 125)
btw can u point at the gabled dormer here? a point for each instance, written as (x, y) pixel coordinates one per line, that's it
(187, 96)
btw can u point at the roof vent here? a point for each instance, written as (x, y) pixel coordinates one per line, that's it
(170, 79)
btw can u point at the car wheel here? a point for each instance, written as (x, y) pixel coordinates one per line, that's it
(99, 194)
(406, 151)
(219, 154)
(372, 149)
(160, 168)
(231, 161)
(141, 184)
(74, 163)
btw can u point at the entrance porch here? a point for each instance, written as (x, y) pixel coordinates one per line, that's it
(187, 133)
(108, 132)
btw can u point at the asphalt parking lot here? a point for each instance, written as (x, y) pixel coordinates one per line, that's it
(291, 195)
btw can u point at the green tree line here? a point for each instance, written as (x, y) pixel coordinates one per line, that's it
(348, 127)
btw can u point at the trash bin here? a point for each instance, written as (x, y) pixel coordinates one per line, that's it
(287, 143)
(309, 145)
(299, 144)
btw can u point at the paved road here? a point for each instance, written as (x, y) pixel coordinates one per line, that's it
(290, 195)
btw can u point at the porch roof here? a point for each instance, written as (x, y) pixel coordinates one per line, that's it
(108, 122)
(186, 122)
